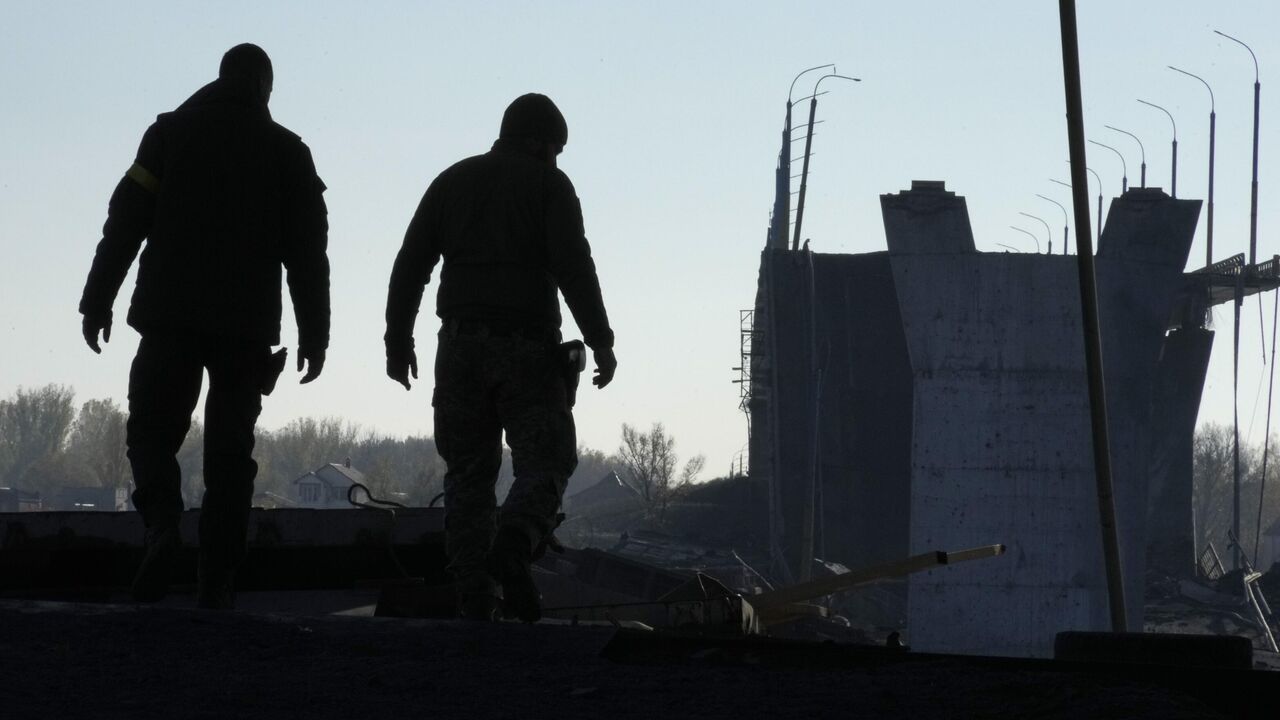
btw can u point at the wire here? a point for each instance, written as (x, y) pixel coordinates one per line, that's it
(386, 506)
(1266, 440)
(1262, 331)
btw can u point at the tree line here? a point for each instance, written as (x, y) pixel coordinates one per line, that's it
(1213, 469)
(47, 443)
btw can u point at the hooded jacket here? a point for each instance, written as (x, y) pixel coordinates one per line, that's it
(224, 197)
(509, 227)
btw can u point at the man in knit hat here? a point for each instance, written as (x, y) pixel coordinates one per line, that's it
(223, 197)
(508, 226)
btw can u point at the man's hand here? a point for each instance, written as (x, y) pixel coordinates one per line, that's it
(606, 363)
(313, 359)
(400, 364)
(91, 326)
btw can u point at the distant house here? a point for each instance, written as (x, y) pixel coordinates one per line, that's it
(610, 493)
(327, 486)
(15, 500)
(99, 499)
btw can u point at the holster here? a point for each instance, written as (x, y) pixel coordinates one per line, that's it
(271, 373)
(573, 360)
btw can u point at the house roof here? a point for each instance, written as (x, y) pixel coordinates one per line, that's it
(346, 475)
(606, 488)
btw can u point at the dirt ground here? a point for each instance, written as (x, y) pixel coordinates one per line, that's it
(124, 661)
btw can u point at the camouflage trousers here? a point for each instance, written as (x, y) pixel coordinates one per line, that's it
(488, 384)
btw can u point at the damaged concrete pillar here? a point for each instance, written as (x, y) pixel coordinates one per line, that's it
(1001, 446)
(1175, 405)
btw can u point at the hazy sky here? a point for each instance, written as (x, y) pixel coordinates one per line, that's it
(674, 112)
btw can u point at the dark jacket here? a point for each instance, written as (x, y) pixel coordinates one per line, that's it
(223, 196)
(509, 227)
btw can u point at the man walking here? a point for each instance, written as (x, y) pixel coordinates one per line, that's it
(223, 197)
(509, 227)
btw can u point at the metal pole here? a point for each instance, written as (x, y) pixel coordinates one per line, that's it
(808, 145)
(1089, 307)
(1235, 423)
(1213, 115)
(808, 519)
(1173, 189)
(1099, 219)
(1141, 149)
(804, 175)
(1047, 232)
(1097, 179)
(1064, 216)
(1209, 245)
(782, 225)
(1253, 207)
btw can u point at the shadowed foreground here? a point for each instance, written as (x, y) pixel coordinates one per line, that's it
(70, 661)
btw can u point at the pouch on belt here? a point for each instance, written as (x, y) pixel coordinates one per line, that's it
(275, 366)
(573, 360)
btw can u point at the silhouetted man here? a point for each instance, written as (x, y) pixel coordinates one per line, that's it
(223, 197)
(509, 227)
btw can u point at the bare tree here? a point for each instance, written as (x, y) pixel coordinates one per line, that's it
(1213, 469)
(692, 469)
(649, 461)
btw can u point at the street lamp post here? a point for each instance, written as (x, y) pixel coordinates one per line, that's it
(1047, 232)
(1253, 262)
(1173, 182)
(808, 145)
(1140, 149)
(1098, 180)
(1027, 232)
(1124, 179)
(782, 202)
(1213, 121)
(1253, 207)
(1065, 219)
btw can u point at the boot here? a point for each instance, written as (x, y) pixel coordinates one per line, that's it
(477, 597)
(213, 586)
(509, 562)
(163, 545)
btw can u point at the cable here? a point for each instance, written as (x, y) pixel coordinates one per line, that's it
(1266, 440)
(1262, 331)
(388, 507)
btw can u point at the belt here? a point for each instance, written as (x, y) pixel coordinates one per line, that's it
(497, 328)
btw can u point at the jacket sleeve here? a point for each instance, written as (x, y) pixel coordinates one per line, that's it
(411, 272)
(305, 258)
(570, 263)
(129, 216)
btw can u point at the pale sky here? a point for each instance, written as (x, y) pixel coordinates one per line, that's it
(674, 112)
